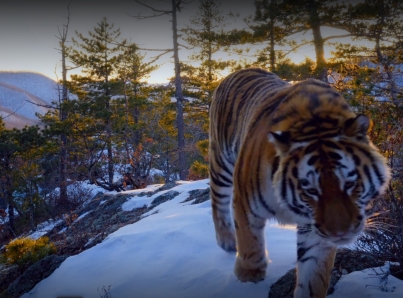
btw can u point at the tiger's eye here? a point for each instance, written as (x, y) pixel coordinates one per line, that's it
(304, 182)
(312, 191)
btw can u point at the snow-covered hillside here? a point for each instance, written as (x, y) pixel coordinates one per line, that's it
(172, 252)
(22, 95)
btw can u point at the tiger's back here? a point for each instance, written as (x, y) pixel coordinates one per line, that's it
(265, 135)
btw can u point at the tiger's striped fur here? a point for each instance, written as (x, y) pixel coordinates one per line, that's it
(296, 153)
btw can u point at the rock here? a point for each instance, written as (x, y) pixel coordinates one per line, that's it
(34, 274)
(7, 275)
(166, 186)
(163, 198)
(198, 196)
(284, 287)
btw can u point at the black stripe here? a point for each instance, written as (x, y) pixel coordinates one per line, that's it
(275, 165)
(334, 155)
(378, 174)
(366, 153)
(331, 144)
(284, 182)
(216, 181)
(303, 250)
(315, 137)
(308, 258)
(224, 178)
(218, 195)
(220, 162)
(260, 195)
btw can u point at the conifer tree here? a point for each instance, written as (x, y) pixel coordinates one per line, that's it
(130, 124)
(299, 17)
(268, 27)
(98, 55)
(20, 171)
(205, 34)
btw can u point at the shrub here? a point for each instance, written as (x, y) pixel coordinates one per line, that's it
(198, 170)
(23, 251)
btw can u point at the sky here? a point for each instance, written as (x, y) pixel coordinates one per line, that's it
(173, 253)
(28, 30)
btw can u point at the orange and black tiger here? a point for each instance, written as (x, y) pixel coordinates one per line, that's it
(297, 153)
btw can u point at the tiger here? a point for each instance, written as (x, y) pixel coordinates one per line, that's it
(296, 153)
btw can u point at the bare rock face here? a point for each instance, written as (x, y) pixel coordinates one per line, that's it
(34, 274)
(346, 262)
(7, 275)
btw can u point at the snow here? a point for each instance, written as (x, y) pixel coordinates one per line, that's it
(354, 284)
(82, 216)
(173, 253)
(44, 228)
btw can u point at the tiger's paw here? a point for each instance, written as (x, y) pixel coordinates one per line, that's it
(245, 274)
(226, 240)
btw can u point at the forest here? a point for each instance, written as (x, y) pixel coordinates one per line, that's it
(113, 129)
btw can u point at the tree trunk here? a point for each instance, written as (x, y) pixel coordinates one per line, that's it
(272, 53)
(63, 138)
(179, 98)
(62, 116)
(107, 122)
(9, 199)
(317, 41)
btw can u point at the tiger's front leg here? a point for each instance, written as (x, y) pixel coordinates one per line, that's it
(251, 259)
(314, 265)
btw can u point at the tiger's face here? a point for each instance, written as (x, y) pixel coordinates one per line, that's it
(330, 182)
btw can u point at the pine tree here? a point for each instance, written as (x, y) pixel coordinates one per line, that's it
(285, 18)
(268, 26)
(98, 55)
(20, 171)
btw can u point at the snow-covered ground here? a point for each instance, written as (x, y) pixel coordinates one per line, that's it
(172, 253)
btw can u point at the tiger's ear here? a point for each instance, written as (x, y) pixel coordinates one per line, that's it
(281, 140)
(357, 127)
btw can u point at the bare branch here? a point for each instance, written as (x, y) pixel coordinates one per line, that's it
(40, 105)
(155, 58)
(337, 36)
(160, 50)
(156, 12)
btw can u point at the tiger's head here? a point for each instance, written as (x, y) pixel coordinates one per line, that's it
(328, 175)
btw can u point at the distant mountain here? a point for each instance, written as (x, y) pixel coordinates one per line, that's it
(22, 95)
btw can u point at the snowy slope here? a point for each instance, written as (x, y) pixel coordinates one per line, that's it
(35, 83)
(173, 253)
(22, 95)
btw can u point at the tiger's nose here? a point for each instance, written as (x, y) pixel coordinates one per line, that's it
(338, 233)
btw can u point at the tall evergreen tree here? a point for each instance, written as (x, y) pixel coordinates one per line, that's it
(98, 55)
(205, 34)
(268, 27)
